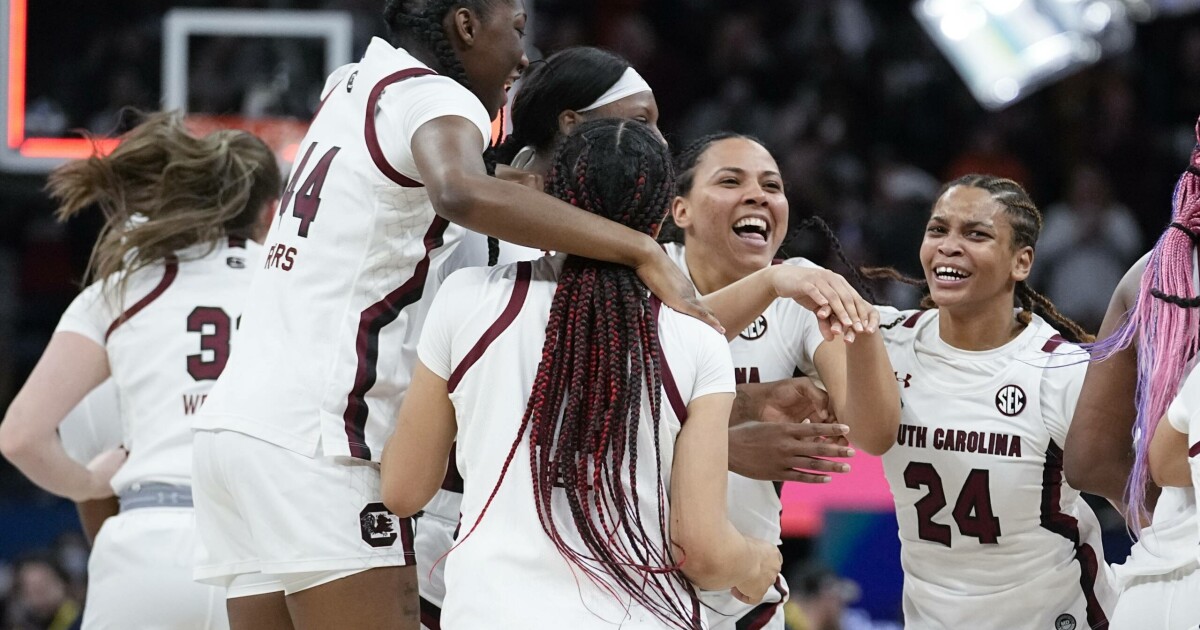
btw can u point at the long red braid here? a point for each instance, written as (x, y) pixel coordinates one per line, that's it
(600, 354)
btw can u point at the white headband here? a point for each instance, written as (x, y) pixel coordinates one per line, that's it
(629, 84)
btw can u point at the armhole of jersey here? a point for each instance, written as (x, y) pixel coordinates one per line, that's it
(911, 322)
(170, 270)
(372, 136)
(515, 302)
(668, 380)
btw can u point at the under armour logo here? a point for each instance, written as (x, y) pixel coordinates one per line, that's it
(906, 379)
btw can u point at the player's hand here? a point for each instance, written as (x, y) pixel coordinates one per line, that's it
(786, 400)
(103, 467)
(840, 310)
(528, 179)
(665, 280)
(772, 451)
(770, 561)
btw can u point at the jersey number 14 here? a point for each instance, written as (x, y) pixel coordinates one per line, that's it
(972, 511)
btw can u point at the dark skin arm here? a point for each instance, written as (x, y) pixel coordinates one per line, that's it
(92, 515)
(446, 152)
(1098, 455)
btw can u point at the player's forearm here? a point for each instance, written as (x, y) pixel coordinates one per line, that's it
(1082, 456)
(870, 404)
(41, 458)
(721, 561)
(739, 304)
(409, 479)
(519, 215)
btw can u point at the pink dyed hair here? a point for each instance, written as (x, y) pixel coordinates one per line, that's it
(1166, 324)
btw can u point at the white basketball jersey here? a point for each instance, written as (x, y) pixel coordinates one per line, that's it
(335, 310)
(991, 535)
(485, 335)
(1184, 416)
(94, 425)
(778, 345)
(167, 344)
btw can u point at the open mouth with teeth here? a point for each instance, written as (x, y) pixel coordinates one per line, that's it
(752, 230)
(950, 274)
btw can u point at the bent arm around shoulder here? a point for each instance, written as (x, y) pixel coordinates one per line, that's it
(714, 555)
(71, 366)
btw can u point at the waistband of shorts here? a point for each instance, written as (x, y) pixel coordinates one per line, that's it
(147, 495)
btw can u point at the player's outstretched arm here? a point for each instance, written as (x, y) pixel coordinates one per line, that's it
(838, 307)
(446, 151)
(862, 387)
(1103, 421)
(714, 555)
(415, 456)
(71, 366)
(1169, 456)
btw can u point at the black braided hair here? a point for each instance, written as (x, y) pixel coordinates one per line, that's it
(420, 22)
(599, 359)
(818, 224)
(569, 79)
(1026, 222)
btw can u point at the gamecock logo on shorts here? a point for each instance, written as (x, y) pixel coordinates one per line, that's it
(755, 330)
(380, 528)
(1064, 622)
(1010, 400)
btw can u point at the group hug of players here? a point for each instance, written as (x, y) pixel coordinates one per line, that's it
(439, 383)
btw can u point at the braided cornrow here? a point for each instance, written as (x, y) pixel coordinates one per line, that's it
(817, 223)
(599, 359)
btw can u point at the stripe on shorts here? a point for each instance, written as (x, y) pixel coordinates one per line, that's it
(1065, 525)
(431, 615)
(169, 272)
(370, 324)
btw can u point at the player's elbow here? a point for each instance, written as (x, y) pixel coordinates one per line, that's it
(457, 197)
(703, 565)
(401, 498)
(877, 436)
(15, 439)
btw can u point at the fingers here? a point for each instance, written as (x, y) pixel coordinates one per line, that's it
(666, 281)
(819, 397)
(799, 476)
(802, 430)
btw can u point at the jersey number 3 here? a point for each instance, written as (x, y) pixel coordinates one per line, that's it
(215, 328)
(972, 511)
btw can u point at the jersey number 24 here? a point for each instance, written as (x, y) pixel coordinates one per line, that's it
(972, 511)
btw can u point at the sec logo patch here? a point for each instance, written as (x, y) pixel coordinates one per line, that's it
(755, 330)
(1010, 400)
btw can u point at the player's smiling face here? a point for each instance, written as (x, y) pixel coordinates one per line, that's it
(968, 254)
(736, 208)
(495, 56)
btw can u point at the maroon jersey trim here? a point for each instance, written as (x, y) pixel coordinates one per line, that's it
(237, 242)
(761, 615)
(515, 302)
(1065, 525)
(453, 481)
(1053, 343)
(373, 137)
(370, 324)
(668, 380)
(912, 319)
(169, 272)
(1194, 450)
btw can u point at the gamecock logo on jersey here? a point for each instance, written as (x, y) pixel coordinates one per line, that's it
(1010, 400)
(1064, 622)
(379, 526)
(755, 330)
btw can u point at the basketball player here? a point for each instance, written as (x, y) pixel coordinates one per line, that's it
(389, 174)
(601, 558)
(733, 214)
(158, 321)
(1161, 577)
(991, 536)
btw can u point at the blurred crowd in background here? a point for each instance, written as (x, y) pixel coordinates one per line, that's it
(863, 113)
